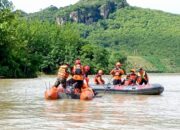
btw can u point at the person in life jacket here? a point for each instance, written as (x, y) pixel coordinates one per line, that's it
(78, 74)
(117, 72)
(98, 78)
(132, 77)
(62, 76)
(86, 71)
(142, 77)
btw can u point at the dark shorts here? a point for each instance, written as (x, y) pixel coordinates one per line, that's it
(60, 81)
(70, 82)
(78, 84)
(143, 81)
(116, 82)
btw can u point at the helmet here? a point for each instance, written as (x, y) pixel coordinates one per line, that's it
(64, 66)
(118, 64)
(133, 70)
(86, 68)
(100, 72)
(78, 61)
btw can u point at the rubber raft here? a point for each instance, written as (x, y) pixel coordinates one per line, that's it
(68, 93)
(149, 89)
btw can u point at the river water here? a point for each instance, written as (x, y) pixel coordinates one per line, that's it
(23, 107)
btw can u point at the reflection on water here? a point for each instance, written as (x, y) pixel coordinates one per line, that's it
(22, 107)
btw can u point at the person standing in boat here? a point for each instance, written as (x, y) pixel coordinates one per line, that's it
(78, 74)
(63, 74)
(86, 73)
(142, 77)
(98, 78)
(131, 78)
(117, 73)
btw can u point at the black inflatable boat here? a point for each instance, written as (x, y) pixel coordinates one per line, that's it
(149, 89)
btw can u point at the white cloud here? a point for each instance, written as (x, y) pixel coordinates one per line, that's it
(172, 6)
(30, 6)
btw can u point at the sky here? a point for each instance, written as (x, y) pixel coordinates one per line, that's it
(29, 6)
(172, 6)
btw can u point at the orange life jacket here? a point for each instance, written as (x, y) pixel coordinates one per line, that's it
(84, 86)
(142, 75)
(117, 73)
(78, 72)
(98, 79)
(132, 76)
(62, 73)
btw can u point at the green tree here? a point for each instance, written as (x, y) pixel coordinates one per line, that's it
(7, 39)
(117, 57)
(96, 57)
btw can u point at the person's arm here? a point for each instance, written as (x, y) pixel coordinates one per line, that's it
(72, 70)
(122, 71)
(112, 72)
(147, 77)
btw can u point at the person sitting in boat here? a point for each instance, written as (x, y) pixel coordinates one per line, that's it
(131, 78)
(62, 76)
(142, 77)
(117, 72)
(78, 74)
(98, 78)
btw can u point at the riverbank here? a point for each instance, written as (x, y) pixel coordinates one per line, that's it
(54, 76)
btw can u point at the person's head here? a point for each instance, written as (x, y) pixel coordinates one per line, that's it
(86, 68)
(140, 69)
(100, 72)
(118, 64)
(64, 66)
(132, 71)
(77, 61)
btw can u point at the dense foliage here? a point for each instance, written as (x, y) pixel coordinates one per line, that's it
(136, 37)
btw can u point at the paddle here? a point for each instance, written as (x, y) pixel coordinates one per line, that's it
(107, 87)
(98, 96)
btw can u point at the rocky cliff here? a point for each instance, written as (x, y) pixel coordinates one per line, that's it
(89, 11)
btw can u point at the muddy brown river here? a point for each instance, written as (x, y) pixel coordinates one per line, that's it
(23, 107)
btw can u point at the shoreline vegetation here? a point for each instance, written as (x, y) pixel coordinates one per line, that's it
(90, 76)
(113, 31)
